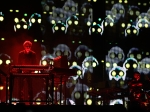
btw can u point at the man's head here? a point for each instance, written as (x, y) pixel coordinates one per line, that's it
(27, 46)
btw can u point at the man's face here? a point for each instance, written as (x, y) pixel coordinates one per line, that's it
(27, 48)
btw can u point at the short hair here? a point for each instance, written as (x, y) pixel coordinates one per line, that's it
(27, 43)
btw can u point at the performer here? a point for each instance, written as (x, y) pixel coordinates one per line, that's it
(26, 57)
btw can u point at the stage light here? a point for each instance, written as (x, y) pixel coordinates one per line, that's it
(89, 101)
(77, 95)
(1, 84)
(16, 20)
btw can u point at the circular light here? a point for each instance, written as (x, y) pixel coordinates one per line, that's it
(73, 9)
(131, 12)
(140, 25)
(74, 63)
(16, 20)
(44, 62)
(76, 22)
(86, 64)
(99, 30)
(66, 8)
(69, 22)
(18, 26)
(137, 13)
(1, 61)
(25, 26)
(134, 31)
(121, 11)
(53, 21)
(113, 73)
(61, 15)
(94, 64)
(79, 54)
(147, 66)
(88, 23)
(77, 95)
(114, 64)
(107, 64)
(7, 62)
(127, 65)
(139, 56)
(123, 25)
(58, 53)
(146, 25)
(134, 65)
(33, 20)
(93, 29)
(1, 18)
(131, 55)
(89, 101)
(87, 54)
(39, 20)
(56, 28)
(120, 56)
(62, 28)
(142, 65)
(111, 24)
(79, 72)
(112, 55)
(128, 31)
(121, 73)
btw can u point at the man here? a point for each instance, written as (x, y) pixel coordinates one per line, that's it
(27, 57)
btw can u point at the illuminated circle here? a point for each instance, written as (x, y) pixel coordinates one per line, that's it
(39, 20)
(18, 26)
(7, 62)
(86, 64)
(127, 65)
(112, 55)
(140, 25)
(120, 56)
(1, 18)
(73, 9)
(146, 25)
(113, 73)
(142, 65)
(99, 30)
(111, 24)
(94, 64)
(131, 55)
(58, 53)
(107, 64)
(66, 53)
(61, 15)
(69, 22)
(66, 8)
(63, 28)
(134, 31)
(79, 72)
(128, 31)
(93, 29)
(147, 66)
(33, 20)
(56, 28)
(121, 11)
(77, 95)
(123, 25)
(139, 56)
(76, 22)
(88, 23)
(74, 63)
(99, 102)
(89, 101)
(79, 54)
(16, 20)
(121, 73)
(134, 65)
(53, 21)
(114, 64)
(25, 26)
(44, 62)
(1, 61)
(131, 12)
(87, 54)
(137, 13)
